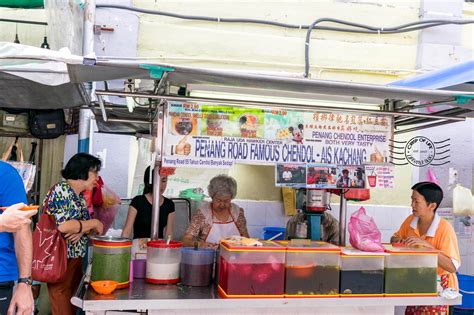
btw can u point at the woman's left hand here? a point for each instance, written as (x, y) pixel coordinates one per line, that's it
(74, 237)
(416, 241)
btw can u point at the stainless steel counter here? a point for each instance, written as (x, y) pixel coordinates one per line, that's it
(204, 300)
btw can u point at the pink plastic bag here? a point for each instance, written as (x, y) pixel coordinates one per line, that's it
(363, 232)
(107, 212)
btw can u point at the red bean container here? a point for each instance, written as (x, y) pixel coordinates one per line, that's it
(163, 262)
(196, 266)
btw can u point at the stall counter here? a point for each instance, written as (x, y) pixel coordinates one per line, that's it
(177, 299)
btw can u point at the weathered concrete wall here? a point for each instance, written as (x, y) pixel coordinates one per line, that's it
(333, 55)
(28, 34)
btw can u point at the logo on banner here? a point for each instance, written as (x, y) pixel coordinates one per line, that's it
(421, 151)
(211, 132)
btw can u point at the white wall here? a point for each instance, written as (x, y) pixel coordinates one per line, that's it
(27, 34)
(270, 213)
(337, 56)
(117, 154)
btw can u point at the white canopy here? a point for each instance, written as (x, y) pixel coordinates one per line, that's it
(38, 78)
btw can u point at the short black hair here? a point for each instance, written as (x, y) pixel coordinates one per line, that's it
(79, 165)
(146, 180)
(345, 171)
(430, 191)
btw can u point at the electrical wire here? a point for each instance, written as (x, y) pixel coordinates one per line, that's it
(355, 27)
(413, 26)
(264, 22)
(23, 22)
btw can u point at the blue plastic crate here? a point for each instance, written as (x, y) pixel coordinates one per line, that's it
(271, 231)
(466, 288)
(463, 311)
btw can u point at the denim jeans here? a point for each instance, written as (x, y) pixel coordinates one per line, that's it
(6, 289)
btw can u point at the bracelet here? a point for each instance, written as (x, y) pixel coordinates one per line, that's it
(80, 226)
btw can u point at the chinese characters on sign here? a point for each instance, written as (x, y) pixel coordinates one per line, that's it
(207, 135)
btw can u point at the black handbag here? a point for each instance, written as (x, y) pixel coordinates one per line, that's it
(46, 124)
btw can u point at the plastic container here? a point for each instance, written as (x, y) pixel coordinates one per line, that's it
(466, 288)
(163, 262)
(362, 273)
(196, 266)
(111, 259)
(410, 271)
(271, 231)
(251, 271)
(312, 269)
(139, 253)
(215, 271)
(462, 311)
(139, 268)
(317, 200)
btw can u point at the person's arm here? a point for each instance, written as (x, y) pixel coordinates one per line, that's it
(444, 261)
(395, 239)
(188, 240)
(193, 230)
(400, 235)
(22, 299)
(127, 228)
(169, 225)
(74, 226)
(13, 192)
(450, 258)
(331, 229)
(242, 224)
(446, 242)
(13, 219)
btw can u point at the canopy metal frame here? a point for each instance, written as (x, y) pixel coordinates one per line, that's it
(160, 132)
(401, 118)
(396, 101)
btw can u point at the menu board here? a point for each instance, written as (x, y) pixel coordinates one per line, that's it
(380, 175)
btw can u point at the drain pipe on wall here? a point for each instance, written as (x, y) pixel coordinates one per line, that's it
(85, 115)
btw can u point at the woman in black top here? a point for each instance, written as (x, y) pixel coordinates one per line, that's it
(139, 212)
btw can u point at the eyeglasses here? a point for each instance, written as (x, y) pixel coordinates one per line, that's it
(222, 201)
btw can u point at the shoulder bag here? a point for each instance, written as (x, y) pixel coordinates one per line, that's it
(49, 250)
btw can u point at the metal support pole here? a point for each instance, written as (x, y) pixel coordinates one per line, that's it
(87, 48)
(102, 107)
(155, 214)
(342, 220)
(89, 20)
(314, 229)
(84, 130)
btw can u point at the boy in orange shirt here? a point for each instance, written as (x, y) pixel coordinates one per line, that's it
(425, 228)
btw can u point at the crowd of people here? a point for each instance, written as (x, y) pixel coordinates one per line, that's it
(212, 222)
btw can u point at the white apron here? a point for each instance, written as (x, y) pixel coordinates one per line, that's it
(221, 230)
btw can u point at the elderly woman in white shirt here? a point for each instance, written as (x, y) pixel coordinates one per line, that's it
(218, 219)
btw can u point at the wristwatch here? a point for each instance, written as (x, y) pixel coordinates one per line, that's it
(26, 280)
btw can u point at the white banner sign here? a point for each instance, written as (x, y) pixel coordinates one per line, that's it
(206, 135)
